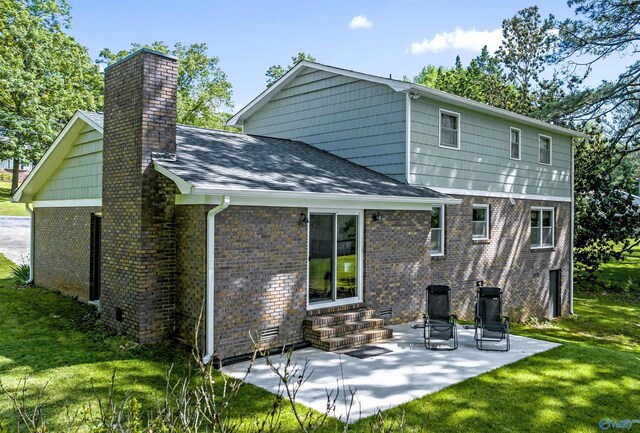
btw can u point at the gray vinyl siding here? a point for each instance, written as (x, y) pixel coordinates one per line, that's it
(358, 120)
(79, 176)
(483, 162)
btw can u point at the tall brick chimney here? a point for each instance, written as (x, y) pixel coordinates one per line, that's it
(138, 229)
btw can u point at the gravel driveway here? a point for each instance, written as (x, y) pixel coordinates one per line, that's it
(14, 238)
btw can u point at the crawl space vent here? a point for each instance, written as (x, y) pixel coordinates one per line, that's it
(385, 312)
(269, 334)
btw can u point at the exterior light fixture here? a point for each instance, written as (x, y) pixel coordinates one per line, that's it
(303, 219)
(377, 217)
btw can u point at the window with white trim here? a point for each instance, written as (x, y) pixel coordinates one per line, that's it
(515, 143)
(542, 227)
(545, 149)
(437, 231)
(449, 129)
(480, 221)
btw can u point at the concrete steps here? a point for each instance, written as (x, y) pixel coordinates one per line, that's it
(344, 329)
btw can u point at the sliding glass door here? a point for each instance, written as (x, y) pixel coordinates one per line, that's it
(334, 257)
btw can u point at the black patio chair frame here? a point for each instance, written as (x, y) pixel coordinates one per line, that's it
(491, 325)
(437, 320)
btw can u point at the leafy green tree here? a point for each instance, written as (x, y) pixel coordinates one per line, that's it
(276, 71)
(525, 52)
(204, 93)
(603, 28)
(482, 80)
(45, 75)
(607, 221)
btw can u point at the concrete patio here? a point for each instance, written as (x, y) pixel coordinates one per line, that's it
(384, 381)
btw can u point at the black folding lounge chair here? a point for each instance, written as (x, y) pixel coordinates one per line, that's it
(491, 325)
(439, 323)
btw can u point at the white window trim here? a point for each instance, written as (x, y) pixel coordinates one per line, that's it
(346, 301)
(442, 229)
(553, 227)
(452, 113)
(519, 143)
(550, 149)
(487, 223)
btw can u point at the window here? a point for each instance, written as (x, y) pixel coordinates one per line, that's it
(449, 129)
(334, 257)
(542, 227)
(545, 149)
(515, 143)
(480, 221)
(437, 231)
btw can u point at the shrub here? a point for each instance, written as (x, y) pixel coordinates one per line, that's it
(21, 273)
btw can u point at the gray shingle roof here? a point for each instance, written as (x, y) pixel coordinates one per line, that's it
(226, 161)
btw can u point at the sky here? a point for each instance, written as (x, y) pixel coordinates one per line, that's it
(380, 37)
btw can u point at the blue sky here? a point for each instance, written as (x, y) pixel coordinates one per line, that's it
(379, 37)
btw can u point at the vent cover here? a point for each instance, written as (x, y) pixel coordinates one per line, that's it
(385, 312)
(269, 334)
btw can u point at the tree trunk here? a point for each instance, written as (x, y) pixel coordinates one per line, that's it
(15, 177)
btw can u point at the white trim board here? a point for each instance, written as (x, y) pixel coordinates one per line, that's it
(82, 202)
(313, 202)
(498, 194)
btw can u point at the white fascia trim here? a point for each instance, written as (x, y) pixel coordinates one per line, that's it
(17, 197)
(496, 194)
(184, 186)
(408, 140)
(275, 198)
(271, 91)
(468, 103)
(81, 202)
(316, 203)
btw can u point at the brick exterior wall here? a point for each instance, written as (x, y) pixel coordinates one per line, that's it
(396, 262)
(138, 236)
(506, 260)
(61, 255)
(260, 275)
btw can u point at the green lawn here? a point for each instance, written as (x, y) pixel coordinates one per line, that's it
(624, 274)
(6, 207)
(593, 375)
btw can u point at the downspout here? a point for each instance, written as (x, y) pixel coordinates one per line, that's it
(572, 232)
(31, 242)
(209, 319)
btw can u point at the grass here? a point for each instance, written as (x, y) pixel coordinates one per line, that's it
(593, 375)
(623, 274)
(6, 207)
(53, 341)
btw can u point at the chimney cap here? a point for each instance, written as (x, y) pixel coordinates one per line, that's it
(141, 51)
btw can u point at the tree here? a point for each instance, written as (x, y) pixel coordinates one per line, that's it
(204, 93)
(607, 221)
(276, 71)
(605, 27)
(525, 52)
(483, 81)
(45, 75)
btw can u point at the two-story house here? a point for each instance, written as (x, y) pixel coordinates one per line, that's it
(343, 198)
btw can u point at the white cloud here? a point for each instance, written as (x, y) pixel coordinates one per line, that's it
(472, 40)
(360, 22)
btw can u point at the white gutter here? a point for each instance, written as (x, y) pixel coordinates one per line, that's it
(209, 319)
(31, 242)
(572, 232)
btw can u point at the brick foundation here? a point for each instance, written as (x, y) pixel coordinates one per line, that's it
(506, 260)
(62, 259)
